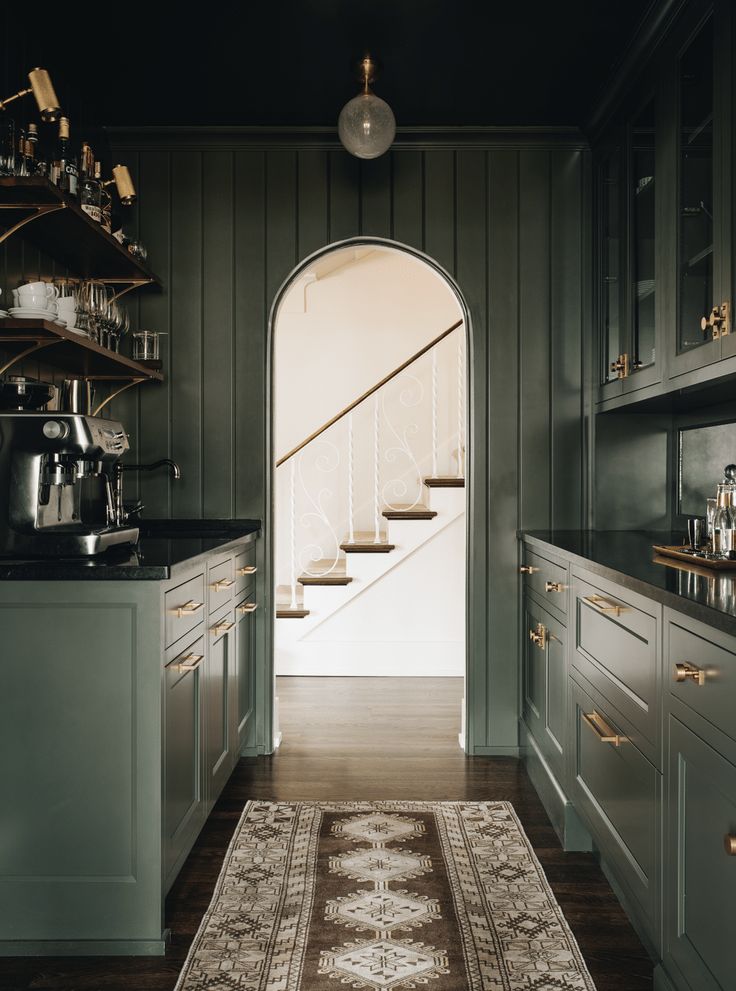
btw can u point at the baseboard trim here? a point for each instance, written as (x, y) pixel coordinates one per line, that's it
(661, 980)
(82, 948)
(494, 752)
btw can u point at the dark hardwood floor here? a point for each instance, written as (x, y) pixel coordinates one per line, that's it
(365, 738)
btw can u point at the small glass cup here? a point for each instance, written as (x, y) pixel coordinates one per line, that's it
(146, 345)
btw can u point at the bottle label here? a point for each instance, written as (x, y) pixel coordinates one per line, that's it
(72, 177)
(94, 211)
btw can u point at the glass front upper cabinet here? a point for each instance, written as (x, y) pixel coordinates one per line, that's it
(610, 266)
(642, 260)
(696, 184)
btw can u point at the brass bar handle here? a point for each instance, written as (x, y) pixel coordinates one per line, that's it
(189, 608)
(222, 583)
(527, 569)
(247, 607)
(604, 605)
(729, 844)
(249, 569)
(602, 730)
(683, 671)
(223, 627)
(554, 587)
(190, 662)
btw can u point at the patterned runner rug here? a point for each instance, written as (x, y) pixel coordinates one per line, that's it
(446, 896)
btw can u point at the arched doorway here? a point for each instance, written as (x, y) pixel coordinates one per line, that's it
(348, 407)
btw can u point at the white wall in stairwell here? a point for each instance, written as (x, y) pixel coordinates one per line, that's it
(341, 328)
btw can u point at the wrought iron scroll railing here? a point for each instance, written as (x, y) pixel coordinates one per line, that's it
(334, 486)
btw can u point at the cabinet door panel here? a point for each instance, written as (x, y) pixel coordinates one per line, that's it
(220, 663)
(545, 684)
(700, 882)
(245, 675)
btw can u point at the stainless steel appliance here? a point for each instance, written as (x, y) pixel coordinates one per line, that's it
(44, 459)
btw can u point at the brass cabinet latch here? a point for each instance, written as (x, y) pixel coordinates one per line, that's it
(528, 569)
(684, 671)
(622, 366)
(539, 636)
(718, 322)
(554, 587)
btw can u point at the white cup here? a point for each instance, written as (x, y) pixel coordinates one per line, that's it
(33, 301)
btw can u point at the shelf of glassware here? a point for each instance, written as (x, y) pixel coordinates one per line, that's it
(55, 223)
(70, 352)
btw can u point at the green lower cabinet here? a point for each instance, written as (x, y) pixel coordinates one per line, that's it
(219, 686)
(184, 804)
(545, 684)
(243, 695)
(700, 873)
(617, 793)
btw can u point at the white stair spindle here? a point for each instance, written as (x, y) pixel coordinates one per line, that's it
(376, 473)
(293, 604)
(460, 405)
(434, 412)
(351, 467)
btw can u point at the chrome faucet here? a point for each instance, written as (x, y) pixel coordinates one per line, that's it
(120, 469)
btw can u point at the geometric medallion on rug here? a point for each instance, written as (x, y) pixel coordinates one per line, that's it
(446, 896)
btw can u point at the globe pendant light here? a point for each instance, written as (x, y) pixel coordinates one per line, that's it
(366, 125)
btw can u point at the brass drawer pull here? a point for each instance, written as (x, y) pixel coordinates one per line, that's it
(683, 671)
(249, 569)
(602, 730)
(247, 607)
(539, 636)
(189, 608)
(190, 662)
(222, 627)
(729, 843)
(527, 569)
(222, 583)
(554, 587)
(604, 605)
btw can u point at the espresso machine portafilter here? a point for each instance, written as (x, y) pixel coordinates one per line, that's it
(44, 458)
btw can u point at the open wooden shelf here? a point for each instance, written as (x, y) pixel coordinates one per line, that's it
(70, 352)
(58, 225)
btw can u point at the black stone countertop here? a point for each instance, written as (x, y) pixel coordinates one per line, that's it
(626, 557)
(165, 547)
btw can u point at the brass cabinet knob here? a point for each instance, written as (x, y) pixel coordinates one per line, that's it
(554, 587)
(539, 636)
(729, 844)
(527, 569)
(683, 671)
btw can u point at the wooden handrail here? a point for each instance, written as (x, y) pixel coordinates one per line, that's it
(368, 394)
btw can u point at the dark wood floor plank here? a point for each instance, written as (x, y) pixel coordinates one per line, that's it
(371, 739)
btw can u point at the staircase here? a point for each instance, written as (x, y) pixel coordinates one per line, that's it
(340, 544)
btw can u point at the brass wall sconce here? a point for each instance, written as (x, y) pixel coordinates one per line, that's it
(43, 90)
(366, 125)
(123, 182)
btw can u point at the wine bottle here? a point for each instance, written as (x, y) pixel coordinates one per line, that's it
(89, 187)
(65, 170)
(105, 200)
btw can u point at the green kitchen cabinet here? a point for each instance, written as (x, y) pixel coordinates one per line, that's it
(220, 687)
(700, 858)
(545, 683)
(243, 695)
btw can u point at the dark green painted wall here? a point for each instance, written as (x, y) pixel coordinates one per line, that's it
(225, 219)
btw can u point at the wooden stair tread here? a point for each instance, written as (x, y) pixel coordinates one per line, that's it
(444, 482)
(407, 512)
(286, 613)
(364, 543)
(333, 578)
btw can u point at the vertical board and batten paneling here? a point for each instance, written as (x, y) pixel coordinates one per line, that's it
(227, 218)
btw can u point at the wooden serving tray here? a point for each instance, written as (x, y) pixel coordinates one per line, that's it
(677, 551)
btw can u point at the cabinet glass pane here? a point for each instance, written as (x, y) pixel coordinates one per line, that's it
(642, 237)
(696, 190)
(610, 262)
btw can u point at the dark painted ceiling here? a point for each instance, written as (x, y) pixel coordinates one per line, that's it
(289, 63)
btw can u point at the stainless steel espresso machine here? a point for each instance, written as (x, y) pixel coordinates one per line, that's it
(44, 460)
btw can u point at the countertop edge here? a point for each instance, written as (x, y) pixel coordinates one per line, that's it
(695, 610)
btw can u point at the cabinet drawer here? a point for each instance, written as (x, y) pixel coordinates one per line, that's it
(547, 579)
(616, 651)
(245, 569)
(618, 791)
(184, 607)
(220, 584)
(707, 671)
